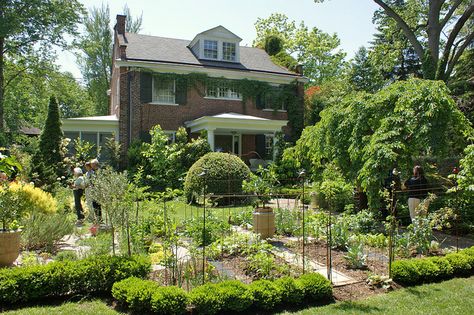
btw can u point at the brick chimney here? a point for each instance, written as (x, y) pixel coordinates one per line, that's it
(120, 26)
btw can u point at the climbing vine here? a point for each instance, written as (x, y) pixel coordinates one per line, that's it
(257, 91)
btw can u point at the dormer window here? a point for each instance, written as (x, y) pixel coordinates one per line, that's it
(210, 49)
(218, 44)
(228, 51)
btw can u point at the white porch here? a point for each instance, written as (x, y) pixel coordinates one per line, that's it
(225, 131)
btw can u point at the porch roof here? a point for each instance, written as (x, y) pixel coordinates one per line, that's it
(233, 122)
(92, 123)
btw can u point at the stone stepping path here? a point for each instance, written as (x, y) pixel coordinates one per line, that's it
(337, 277)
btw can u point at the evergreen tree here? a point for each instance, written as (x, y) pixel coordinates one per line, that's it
(51, 137)
(46, 162)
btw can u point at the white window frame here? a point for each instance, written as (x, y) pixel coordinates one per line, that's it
(205, 50)
(223, 91)
(233, 56)
(269, 138)
(155, 97)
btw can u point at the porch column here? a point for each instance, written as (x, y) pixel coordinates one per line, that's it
(210, 138)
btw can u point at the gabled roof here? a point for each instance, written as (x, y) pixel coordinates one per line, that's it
(219, 29)
(176, 51)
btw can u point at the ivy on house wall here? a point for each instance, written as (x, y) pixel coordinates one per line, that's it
(262, 94)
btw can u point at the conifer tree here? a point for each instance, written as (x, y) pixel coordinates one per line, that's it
(51, 137)
(46, 162)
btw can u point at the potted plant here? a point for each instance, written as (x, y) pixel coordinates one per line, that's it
(261, 185)
(11, 210)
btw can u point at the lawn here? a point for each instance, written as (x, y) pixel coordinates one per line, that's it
(449, 297)
(455, 296)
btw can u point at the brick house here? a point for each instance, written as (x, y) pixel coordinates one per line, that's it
(209, 83)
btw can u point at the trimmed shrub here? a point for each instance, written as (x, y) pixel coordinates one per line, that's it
(169, 301)
(427, 270)
(235, 296)
(135, 293)
(460, 264)
(90, 276)
(224, 175)
(445, 270)
(266, 294)
(405, 272)
(291, 291)
(316, 287)
(206, 299)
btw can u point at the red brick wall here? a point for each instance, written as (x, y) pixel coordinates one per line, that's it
(145, 116)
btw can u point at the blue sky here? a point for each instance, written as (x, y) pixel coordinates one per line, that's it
(350, 19)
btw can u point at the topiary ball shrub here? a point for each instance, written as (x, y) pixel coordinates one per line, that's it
(206, 299)
(235, 296)
(224, 174)
(291, 291)
(316, 287)
(266, 294)
(169, 301)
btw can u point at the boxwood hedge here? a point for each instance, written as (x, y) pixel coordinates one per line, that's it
(94, 275)
(225, 297)
(431, 269)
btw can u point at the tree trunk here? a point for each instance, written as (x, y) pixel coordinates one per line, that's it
(434, 29)
(2, 65)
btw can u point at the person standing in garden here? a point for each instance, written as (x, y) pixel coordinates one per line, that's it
(78, 189)
(88, 177)
(97, 208)
(417, 187)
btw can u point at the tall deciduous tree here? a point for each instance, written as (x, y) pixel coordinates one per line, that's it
(32, 79)
(316, 50)
(27, 25)
(95, 57)
(446, 31)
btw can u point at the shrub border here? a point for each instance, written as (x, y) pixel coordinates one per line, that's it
(432, 269)
(138, 294)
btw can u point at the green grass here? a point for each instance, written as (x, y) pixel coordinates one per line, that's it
(450, 297)
(97, 307)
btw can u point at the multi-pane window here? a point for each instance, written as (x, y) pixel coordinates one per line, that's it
(268, 145)
(163, 91)
(228, 51)
(210, 49)
(224, 89)
(273, 100)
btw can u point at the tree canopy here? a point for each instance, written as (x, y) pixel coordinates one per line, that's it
(366, 135)
(438, 30)
(33, 25)
(95, 56)
(316, 50)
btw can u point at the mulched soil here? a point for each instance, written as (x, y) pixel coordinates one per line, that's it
(377, 263)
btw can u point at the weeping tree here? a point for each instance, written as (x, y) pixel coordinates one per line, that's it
(367, 134)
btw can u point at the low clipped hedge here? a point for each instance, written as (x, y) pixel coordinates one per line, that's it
(94, 275)
(225, 297)
(432, 269)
